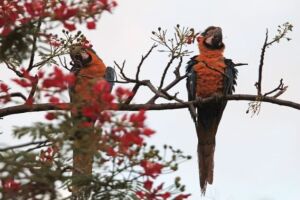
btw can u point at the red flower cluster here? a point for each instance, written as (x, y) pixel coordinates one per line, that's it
(9, 15)
(27, 81)
(153, 194)
(10, 185)
(15, 13)
(48, 155)
(151, 169)
(123, 94)
(4, 98)
(97, 101)
(58, 80)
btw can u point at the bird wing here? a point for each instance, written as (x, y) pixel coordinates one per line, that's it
(230, 77)
(110, 76)
(191, 85)
(191, 79)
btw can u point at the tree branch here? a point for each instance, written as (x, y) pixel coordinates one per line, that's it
(261, 64)
(35, 36)
(40, 143)
(163, 106)
(14, 94)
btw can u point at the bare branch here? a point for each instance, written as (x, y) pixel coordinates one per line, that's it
(168, 87)
(280, 87)
(24, 145)
(33, 88)
(33, 50)
(261, 64)
(165, 72)
(163, 106)
(15, 94)
(142, 61)
(134, 91)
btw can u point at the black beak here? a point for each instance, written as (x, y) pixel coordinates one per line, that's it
(217, 40)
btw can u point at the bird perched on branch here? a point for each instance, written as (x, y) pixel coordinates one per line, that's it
(209, 74)
(88, 69)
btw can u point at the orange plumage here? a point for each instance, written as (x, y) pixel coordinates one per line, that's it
(209, 81)
(88, 69)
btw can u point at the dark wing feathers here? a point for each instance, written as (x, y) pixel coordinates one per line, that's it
(191, 79)
(231, 76)
(110, 76)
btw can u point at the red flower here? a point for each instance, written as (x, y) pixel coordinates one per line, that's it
(123, 94)
(151, 168)
(89, 112)
(182, 196)
(153, 194)
(101, 86)
(148, 131)
(148, 185)
(69, 26)
(54, 99)
(3, 87)
(64, 13)
(48, 155)
(10, 185)
(165, 195)
(23, 82)
(58, 80)
(35, 8)
(111, 152)
(50, 116)
(91, 25)
(138, 119)
(130, 138)
(6, 30)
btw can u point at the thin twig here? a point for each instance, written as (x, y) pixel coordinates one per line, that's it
(168, 87)
(279, 87)
(261, 64)
(14, 94)
(23, 145)
(33, 87)
(35, 36)
(142, 61)
(165, 71)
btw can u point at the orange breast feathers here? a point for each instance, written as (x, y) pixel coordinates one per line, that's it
(209, 69)
(87, 77)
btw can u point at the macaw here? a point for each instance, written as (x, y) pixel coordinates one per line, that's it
(88, 68)
(209, 74)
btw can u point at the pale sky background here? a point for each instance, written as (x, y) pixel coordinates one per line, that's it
(257, 158)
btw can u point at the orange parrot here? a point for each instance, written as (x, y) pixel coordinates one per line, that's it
(88, 69)
(209, 74)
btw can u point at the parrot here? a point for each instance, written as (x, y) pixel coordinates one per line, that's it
(88, 68)
(209, 74)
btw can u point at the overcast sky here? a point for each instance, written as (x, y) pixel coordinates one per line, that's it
(257, 158)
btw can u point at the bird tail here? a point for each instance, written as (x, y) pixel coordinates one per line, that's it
(206, 149)
(208, 120)
(84, 148)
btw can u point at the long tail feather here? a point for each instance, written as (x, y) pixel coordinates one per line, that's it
(208, 120)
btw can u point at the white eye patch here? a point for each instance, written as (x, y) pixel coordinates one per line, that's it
(84, 55)
(209, 40)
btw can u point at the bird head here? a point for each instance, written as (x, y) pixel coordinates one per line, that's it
(212, 37)
(80, 54)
